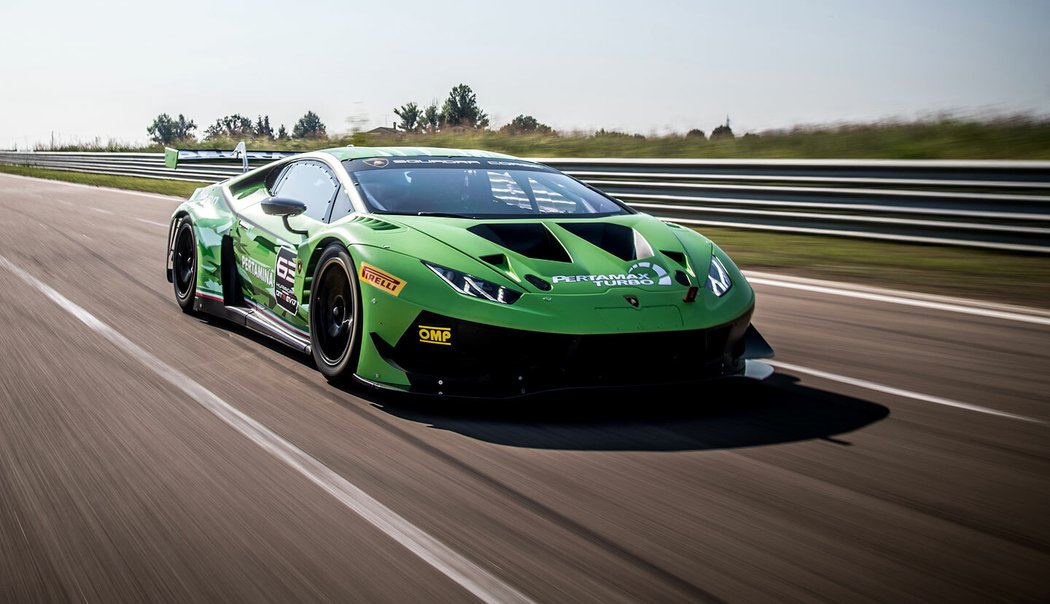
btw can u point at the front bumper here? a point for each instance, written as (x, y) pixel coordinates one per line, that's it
(442, 355)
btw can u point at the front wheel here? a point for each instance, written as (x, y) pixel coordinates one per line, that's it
(184, 265)
(335, 314)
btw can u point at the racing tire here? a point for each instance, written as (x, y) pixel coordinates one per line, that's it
(184, 265)
(335, 315)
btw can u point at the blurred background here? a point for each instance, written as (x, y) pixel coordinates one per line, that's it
(879, 170)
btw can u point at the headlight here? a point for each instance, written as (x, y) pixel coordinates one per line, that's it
(718, 277)
(472, 286)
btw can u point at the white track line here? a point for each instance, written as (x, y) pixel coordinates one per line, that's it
(956, 305)
(153, 222)
(834, 377)
(468, 575)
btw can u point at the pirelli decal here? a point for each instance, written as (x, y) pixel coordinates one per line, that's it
(384, 281)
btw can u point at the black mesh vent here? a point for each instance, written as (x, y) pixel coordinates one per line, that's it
(531, 240)
(484, 359)
(616, 239)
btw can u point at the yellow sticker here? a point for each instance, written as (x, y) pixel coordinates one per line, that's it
(384, 281)
(435, 335)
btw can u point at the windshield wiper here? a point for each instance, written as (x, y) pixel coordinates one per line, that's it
(443, 215)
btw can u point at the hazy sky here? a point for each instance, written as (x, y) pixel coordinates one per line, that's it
(100, 68)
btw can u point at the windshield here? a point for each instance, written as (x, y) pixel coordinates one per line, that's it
(474, 188)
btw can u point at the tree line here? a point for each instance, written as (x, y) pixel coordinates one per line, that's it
(460, 111)
(166, 130)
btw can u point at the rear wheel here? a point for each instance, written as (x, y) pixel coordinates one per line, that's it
(184, 265)
(335, 314)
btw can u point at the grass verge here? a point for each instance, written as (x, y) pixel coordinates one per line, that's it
(149, 185)
(973, 273)
(997, 276)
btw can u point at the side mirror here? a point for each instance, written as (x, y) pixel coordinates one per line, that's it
(281, 206)
(285, 208)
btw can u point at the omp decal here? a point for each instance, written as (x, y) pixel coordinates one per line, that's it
(384, 281)
(435, 335)
(284, 284)
(640, 273)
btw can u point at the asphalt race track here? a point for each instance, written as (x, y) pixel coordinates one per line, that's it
(901, 454)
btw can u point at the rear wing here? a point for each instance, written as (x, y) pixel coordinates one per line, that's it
(174, 157)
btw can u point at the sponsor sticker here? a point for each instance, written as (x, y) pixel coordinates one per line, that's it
(436, 162)
(256, 269)
(383, 280)
(435, 335)
(512, 164)
(640, 273)
(376, 162)
(284, 282)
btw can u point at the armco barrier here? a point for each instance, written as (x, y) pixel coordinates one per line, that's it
(991, 204)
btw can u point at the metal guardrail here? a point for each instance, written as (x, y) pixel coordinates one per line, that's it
(990, 204)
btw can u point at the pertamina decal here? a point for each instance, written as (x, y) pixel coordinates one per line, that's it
(383, 280)
(284, 281)
(640, 273)
(435, 335)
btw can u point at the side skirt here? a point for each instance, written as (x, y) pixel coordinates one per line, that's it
(253, 320)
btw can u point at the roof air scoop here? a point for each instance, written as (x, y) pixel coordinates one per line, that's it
(623, 242)
(530, 239)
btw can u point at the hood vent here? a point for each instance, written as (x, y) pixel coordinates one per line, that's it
(623, 242)
(531, 240)
(678, 257)
(374, 223)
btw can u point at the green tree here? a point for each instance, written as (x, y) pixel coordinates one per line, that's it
(461, 109)
(263, 128)
(282, 133)
(695, 133)
(164, 130)
(410, 117)
(309, 126)
(526, 124)
(230, 126)
(431, 119)
(723, 131)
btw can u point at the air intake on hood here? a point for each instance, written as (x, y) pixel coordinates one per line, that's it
(623, 242)
(531, 240)
(374, 223)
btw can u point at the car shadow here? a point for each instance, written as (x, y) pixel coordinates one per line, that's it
(719, 415)
(723, 415)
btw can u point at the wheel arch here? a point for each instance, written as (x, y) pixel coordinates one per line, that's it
(315, 257)
(176, 218)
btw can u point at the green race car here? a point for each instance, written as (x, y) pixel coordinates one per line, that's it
(460, 272)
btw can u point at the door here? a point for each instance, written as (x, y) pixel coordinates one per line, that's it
(270, 270)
